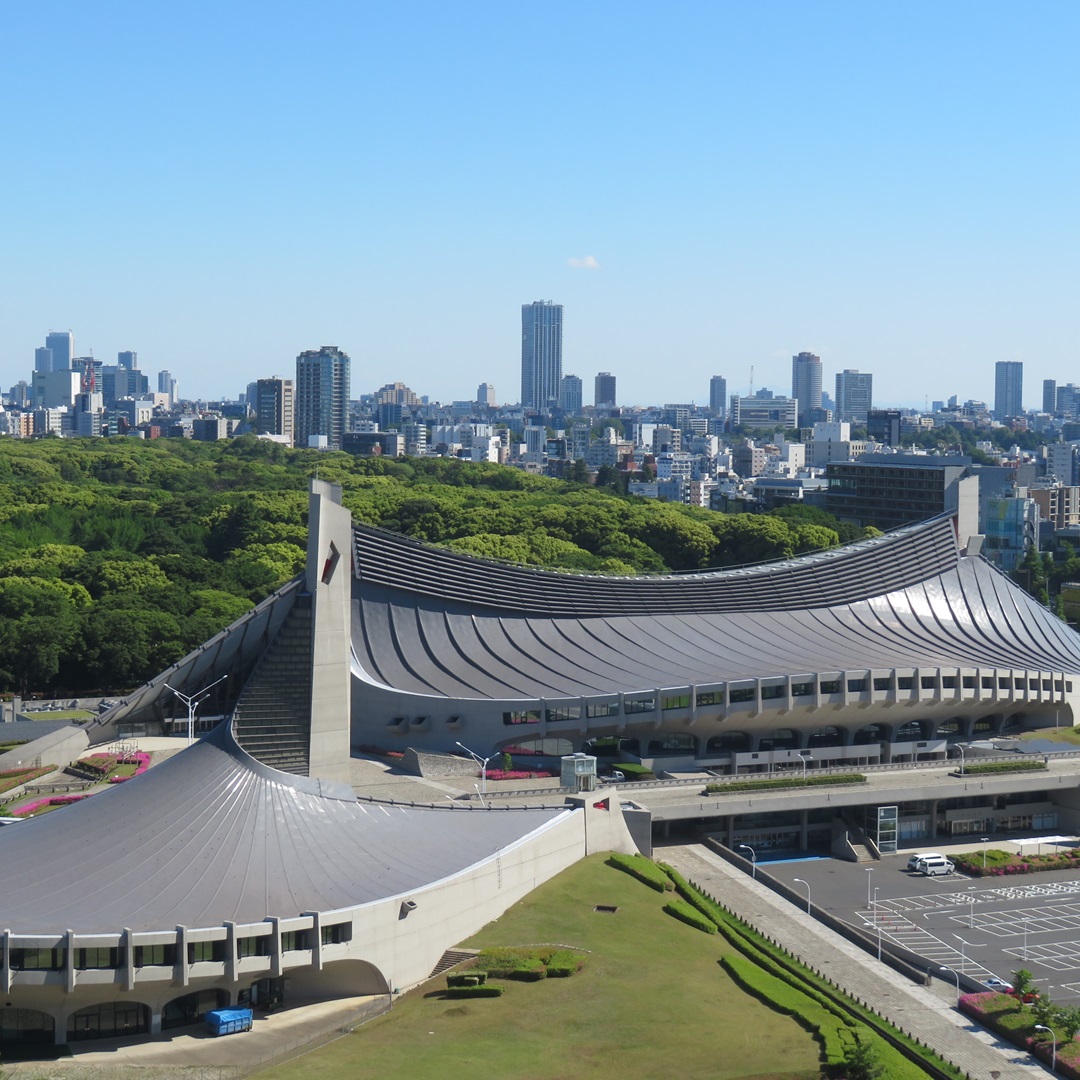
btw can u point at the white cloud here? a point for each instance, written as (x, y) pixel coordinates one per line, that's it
(587, 263)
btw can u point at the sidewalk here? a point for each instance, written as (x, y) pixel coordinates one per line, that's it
(914, 1009)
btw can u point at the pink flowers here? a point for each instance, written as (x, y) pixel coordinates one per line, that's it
(53, 800)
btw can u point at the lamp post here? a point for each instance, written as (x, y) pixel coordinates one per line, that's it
(966, 945)
(753, 859)
(193, 701)
(1053, 1044)
(955, 976)
(869, 871)
(985, 841)
(960, 747)
(482, 762)
(1025, 939)
(971, 902)
(804, 757)
(799, 881)
(877, 920)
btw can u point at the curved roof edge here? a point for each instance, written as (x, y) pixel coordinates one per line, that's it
(900, 559)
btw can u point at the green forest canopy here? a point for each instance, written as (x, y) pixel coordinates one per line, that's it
(118, 557)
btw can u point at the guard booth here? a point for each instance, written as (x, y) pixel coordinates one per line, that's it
(578, 772)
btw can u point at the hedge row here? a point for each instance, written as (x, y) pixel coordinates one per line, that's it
(1008, 865)
(473, 991)
(633, 771)
(1002, 767)
(529, 962)
(690, 915)
(644, 869)
(765, 785)
(472, 977)
(913, 1062)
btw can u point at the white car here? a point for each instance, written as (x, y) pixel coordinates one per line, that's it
(914, 860)
(935, 866)
(994, 983)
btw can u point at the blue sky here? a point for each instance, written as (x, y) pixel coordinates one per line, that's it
(219, 186)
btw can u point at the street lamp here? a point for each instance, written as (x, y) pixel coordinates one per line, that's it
(753, 859)
(1053, 1044)
(869, 871)
(985, 841)
(1026, 921)
(482, 762)
(955, 976)
(971, 901)
(193, 701)
(960, 747)
(799, 881)
(804, 757)
(877, 919)
(963, 945)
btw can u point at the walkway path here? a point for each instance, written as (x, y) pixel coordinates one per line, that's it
(913, 1008)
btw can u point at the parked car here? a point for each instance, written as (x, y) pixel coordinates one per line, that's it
(994, 983)
(935, 866)
(616, 776)
(914, 860)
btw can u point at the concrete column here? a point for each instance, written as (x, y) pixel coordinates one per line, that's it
(69, 960)
(933, 817)
(231, 962)
(276, 960)
(316, 943)
(181, 968)
(804, 829)
(155, 1021)
(129, 959)
(5, 962)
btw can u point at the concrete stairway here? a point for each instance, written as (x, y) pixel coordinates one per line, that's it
(451, 958)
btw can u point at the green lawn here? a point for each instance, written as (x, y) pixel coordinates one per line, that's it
(652, 1000)
(1056, 734)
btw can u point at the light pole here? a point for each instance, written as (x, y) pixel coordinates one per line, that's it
(869, 871)
(959, 746)
(965, 945)
(971, 901)
(985, 841)
(1025, 939)
(955, 976)
(192, 701)
(1053, 1044)
(482, 762)
(877, 919)
(753, 859)
(804, 757)
(799, 881)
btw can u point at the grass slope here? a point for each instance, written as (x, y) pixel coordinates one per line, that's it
(652, 1000)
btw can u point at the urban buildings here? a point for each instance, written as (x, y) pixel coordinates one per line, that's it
(718, 399)
(570, 395)
(541, 354)
(854, 396)
(604, 389)
(806, 387)
(275, 408)
(61, 345)
(764, 410)
(322, 395)
(485, 396)
(1008, 389)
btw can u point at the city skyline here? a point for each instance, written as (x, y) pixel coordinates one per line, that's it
(700, 204)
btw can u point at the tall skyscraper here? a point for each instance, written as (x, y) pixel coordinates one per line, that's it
(806, 385)
(62, 343)
(322, 395)
(128, 359)
(1008, 389)
(604, 389)
(541, 354)
(43, 360)
(570, 395)
(718, 398)
(1049, 396)
(166, 384)
(854, 395)
(274, 407)
(485, 396)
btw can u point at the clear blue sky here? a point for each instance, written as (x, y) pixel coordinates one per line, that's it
(893, 186)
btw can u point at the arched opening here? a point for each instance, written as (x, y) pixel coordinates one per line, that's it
(109, 1020)
(872, 733)
(913, 731)
(26, 1027)
(986, 725)
(826, 736)
(530, 748)
(672, 744)
(730, 742)
(779, 739)
(338, 979)
(191, 1008)
(611, 746)
(954, 727)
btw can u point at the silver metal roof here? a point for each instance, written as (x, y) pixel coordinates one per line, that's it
(211, 835)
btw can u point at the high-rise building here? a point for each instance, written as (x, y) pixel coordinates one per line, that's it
(322, 395)
(806, 386)
(883, 426)
(541, 354)
(62, 343)
(43, 360)
(1008, 389)
(604, 389)
(128, 359)
(485, 396)
(274, 407)
(570, 395)
(166, 384)
(854, 395)
(1049, 404)
(718, 397)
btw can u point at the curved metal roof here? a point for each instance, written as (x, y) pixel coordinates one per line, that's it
(431, 628)
(211, 835)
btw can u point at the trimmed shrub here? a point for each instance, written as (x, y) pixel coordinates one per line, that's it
(766, 785)
(645, 870)
(1002, 767)
(529, 970)
(466, 978)
(473, 991)
(690, 915)
(633, 771)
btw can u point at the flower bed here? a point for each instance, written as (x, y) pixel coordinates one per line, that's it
(15, 777)
(1005, 864)
(378, 751)
(30, 809)
(517, 774)
(115, 768)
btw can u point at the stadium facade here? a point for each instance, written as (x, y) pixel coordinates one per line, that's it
(246, 866)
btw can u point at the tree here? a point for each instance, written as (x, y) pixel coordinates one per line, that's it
(861, 1061)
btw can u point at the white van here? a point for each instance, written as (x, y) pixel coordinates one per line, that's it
(935, 866)
(913, 862)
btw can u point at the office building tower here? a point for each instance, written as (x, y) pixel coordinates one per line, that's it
(570, 395)
(718, 398)
(1049, 402)
(322, 395)
(854, 396)
(274, 407)
(128, 359)
(1008, 389)
(62, 344)
(883, 426)
(604, 390)
(43, 360)
(485, 395)
(806, 386)
(90, 370)
(1068, 400)
(166, 384)
(541, 354)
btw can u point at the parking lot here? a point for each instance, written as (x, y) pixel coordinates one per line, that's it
(977, 926)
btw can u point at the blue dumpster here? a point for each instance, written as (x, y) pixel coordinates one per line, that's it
(228, 1021)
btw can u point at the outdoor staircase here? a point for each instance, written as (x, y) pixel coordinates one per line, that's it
(451, 958)
(272, 720)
